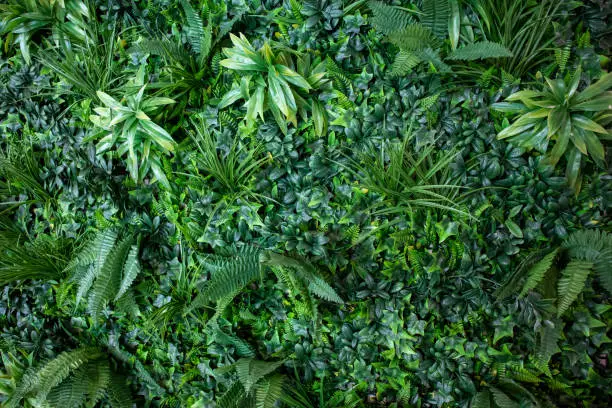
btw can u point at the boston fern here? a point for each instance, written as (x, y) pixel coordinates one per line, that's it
(129, 130)
(274, 82)
(257, 384)
(234, 268)
(421, 41)
(583, 253)
(73, 379)
(104, 270)
(574, 119)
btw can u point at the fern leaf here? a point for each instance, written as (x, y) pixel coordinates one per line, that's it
(98, 376)
(233, 397)
(502, 400)
(243, 349)
(404, 62)
(229, 275)
(107, 283)
(481, 400)
(341, 80)
(414, 37)
(547, 347)
(520, 373)
(603, 270)
(536, 272)
(71, 392)
(130, 271)
(269, 391)
(296, 10)
(388, 19)
(205, 44)
(432, 56)
(323, 290)
(572, 281)
(257, 370)
(436, 15)
(119, 392)
(594, 246)
(194, 27)
(480, 50)
(90, 261)
(127, 304)
(58, 369)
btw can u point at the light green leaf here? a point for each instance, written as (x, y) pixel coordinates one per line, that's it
(158, 134)
(514, 228)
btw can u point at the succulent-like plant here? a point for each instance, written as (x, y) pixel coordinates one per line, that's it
(274, 82)
(574, 119)
(129, 129)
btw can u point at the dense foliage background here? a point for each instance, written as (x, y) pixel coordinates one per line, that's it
(317, 203)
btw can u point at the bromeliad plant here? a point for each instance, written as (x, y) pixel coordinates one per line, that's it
(575, 119)
(274, 82)
(128, 129)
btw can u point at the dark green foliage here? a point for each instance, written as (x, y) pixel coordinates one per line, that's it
(299, 204)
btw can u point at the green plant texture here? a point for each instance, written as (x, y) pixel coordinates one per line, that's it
(305, 203)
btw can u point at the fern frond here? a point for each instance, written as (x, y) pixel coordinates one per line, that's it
(536, 272)
(520, 373)
(572, 281)
(414, 258)
(404, 62)
(549, 336)
(127, 304)
(60, 368)
(229, 274)
(436, 15)
(131, 269)
(481, 400)
(71, 392)
(414, 37)
(296, 11)
(432, 56)
(251, 371)
(194, 27)
(97, 374)
(88, 264)
(323, 290)
(512, 283)
(243, 349)
(119, 392)
(340, 78)
(269, 391)
(233, 397)
(502, 400)
(388, 19)
(562, 57)
(480, 50)
(107, 283)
